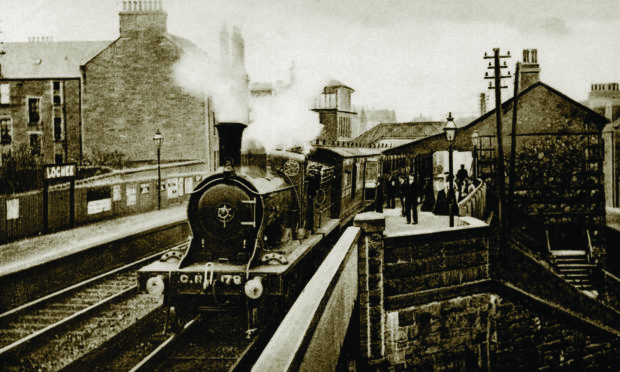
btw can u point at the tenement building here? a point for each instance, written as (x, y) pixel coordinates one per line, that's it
(70, 100)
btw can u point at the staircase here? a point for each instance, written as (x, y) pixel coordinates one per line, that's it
(574, 267)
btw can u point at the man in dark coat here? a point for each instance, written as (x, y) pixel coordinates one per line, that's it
(411, 200)
(461, 175)
(428, 201)
(402, 192)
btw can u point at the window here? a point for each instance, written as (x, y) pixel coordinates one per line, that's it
(5, 131)
(35, 143)
(5, 94)
(58, 158)
(56, 93)
(34, 108)
(58, 135)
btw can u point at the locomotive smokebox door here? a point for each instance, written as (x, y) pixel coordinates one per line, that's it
(227, 219)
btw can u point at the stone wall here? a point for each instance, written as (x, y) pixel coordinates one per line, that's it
(68, 110)
(434, 260)
(130, 92)
(490, 332)
(450, 300)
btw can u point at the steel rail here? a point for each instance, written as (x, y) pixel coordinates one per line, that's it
(76, 286)
(73, 317)
(153, 358)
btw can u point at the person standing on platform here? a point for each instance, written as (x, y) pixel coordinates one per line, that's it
(402, 192)
(411, 200)
(428, 196)
(379, 195)
(391, 191)
(461, 175)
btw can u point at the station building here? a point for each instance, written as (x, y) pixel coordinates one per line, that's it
(558, 179)
(70, 100)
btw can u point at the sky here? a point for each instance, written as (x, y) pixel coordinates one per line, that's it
(416, 57)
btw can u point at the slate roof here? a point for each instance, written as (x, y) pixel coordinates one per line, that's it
(184, 44)
(351, 152)
(400, 131)
(596, 118)
(333, 83)
(47, 59)
(61, 59)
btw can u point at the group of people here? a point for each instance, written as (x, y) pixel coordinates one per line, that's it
(464, 186)
(406, 188)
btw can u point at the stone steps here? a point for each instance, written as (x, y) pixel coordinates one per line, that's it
(573, 266)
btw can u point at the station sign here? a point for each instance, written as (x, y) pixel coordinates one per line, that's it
(56, 171)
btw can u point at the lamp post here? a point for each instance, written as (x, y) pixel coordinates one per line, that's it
(475, 140)
(158, 139)
(450, 130)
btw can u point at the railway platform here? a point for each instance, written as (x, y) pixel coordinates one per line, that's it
(613, 218)
(31, 252)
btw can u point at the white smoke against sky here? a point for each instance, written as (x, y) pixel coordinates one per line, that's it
(281, 121)
(203, 76)
(285, 119)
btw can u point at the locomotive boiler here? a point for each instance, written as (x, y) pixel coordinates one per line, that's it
(243, 220)
(236, 217)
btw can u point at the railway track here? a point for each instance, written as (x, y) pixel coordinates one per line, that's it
(216, 343)
(51, 332)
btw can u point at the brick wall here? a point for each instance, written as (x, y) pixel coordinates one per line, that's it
(129, 93)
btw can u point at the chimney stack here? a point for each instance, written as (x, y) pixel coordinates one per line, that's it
(139, 17)
(230, 135)
(530, 69)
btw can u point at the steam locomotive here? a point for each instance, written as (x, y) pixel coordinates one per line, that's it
(260, 225)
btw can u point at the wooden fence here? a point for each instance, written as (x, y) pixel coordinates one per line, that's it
(21, 215)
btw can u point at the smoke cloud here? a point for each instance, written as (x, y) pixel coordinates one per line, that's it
(202, 76)
(280, 121)
(285, 119)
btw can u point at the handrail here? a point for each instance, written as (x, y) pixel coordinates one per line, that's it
(548, 243)
(468, 205)
(590, 251)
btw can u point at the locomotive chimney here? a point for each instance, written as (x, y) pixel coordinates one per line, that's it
(230, 142)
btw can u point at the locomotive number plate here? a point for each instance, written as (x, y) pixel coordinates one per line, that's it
(187, 278)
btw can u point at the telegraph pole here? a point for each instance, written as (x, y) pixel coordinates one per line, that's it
(497, 76)
(513, 138)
